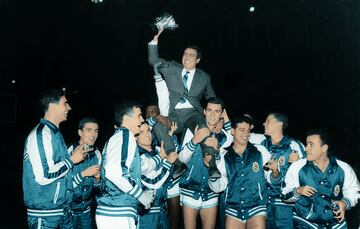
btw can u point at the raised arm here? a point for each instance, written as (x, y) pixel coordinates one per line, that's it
(153, 54)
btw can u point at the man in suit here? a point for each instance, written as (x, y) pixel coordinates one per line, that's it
(186, 85)
(183, 100)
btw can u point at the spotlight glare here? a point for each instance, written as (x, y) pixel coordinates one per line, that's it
(13, 81)
(252, 9)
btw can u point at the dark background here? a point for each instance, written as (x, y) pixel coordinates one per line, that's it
(299, 57)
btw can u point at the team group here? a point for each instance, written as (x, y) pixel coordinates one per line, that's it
(185, 155)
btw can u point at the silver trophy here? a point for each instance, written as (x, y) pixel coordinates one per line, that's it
(166, 21)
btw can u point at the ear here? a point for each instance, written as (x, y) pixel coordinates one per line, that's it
(325, 147)
(197, 60)
(204, 111)
(232, 131)
(80, 133)
(50, 106)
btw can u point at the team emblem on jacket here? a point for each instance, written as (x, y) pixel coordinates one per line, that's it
(337, 190)
(281, 160)
(255, 167)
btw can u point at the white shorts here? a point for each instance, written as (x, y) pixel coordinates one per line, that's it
(245, 215)
(110, 222)
(174, 191)
(199, 203)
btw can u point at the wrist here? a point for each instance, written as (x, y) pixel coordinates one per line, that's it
(194, 141)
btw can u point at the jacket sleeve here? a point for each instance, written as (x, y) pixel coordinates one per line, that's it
(120, 153)
(162, 92)
(292, 182)
(187, 147)
(41, 153)
(209, 91)
(229, 140)
(157, 177)
(351, 186)
(220, 184)
(298, 147)
(153, 54)
(148, 164)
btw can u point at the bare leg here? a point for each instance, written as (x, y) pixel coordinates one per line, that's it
(174, 212)
(256, 222)
(208, 217)
(232, 223)
(190, 215)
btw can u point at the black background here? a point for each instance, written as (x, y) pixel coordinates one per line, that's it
(298, 57)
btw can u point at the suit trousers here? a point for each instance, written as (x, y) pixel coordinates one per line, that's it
(185, 119)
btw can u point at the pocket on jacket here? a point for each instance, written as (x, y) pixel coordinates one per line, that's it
(57, 191)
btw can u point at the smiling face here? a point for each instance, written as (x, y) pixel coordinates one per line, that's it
(272, 125)
(144, 138)
(213, 114)
(189, 59)
(89, 133)
(133, 121)
(152, 111)
(59, 111)
(241, 133)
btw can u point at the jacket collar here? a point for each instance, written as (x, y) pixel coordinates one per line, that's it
(52, 127)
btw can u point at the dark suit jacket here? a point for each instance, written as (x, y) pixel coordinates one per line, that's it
(171, 71)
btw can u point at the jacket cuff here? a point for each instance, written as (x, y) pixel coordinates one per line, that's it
(191, 146)
(166, 164)
(68, 163)
(151, 121)
(136, 191)
(347, 202)
(78, 178)
(227, 125)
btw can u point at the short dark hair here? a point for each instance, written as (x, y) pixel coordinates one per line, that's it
(86, 120)
(198, 50)
(50, 96)
(323, 135)
(124, 108)
(216, 100)
(240, 119)
(281, 118)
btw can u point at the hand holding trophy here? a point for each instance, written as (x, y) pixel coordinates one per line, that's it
(165, 22)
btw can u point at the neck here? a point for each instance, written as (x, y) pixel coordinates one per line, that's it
(211, 128)
(52, 119)
(276, 138)
(126, 127)
(146, 147)
(322, 163)
(239, 148)
(83, 142)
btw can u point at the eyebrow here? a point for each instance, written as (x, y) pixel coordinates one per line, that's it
(89, 128)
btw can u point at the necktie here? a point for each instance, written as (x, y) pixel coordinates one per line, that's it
(184, 80)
